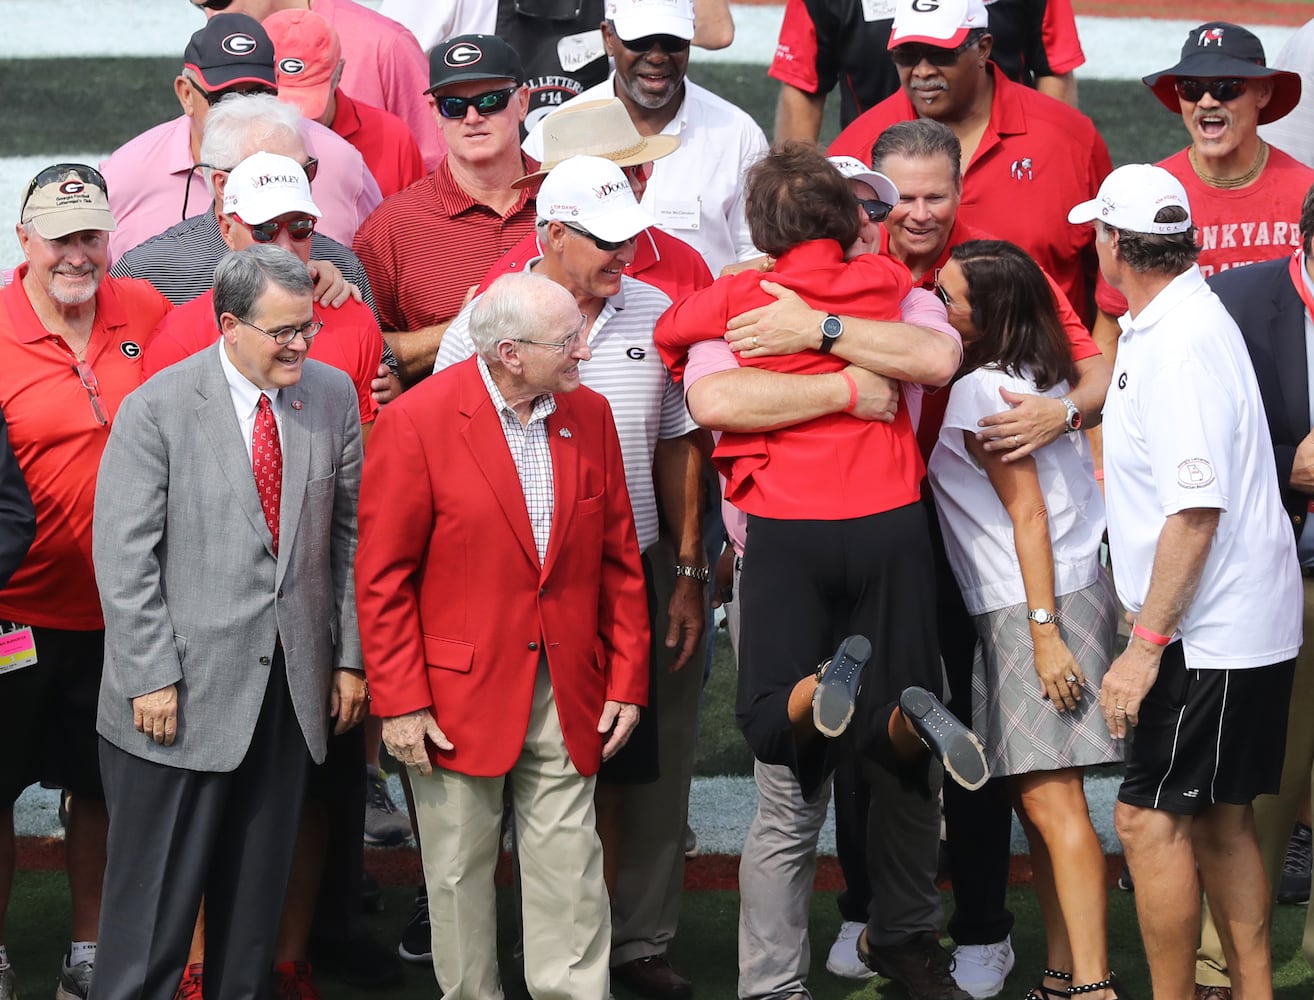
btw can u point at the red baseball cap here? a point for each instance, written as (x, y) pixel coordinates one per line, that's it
(306, 56)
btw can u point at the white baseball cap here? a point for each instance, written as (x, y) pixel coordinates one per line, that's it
(639, 18)
(942, 23)
(594, 194)
(265, 186)
(1132, 196)
(855, 170)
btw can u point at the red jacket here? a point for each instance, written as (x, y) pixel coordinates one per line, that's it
(454, 606)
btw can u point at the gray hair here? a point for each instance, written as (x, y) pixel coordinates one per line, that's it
(919, 139)
(515, 306)
(1168, 253)
(243, 275)
(239, 125)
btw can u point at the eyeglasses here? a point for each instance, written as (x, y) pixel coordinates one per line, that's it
(213, 97)
(876, 209)
(609, 246)
(670, 44)
(560, 346)
(1191, 89)
(907, 56)
(212, 4)
(490, 102)
(284, 335)
(299, 230)
(60, 172)
(942, 295)
(88, 379)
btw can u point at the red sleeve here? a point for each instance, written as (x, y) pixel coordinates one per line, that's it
(1062, 45)
(363, 352)
(514, 259)
(1079, 338)
(795, 61)
(1109, 299)
(862, 132)
(700, 316)
(177, 336)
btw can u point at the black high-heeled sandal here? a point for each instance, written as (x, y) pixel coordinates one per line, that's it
(1104, 984)
(1043, 992)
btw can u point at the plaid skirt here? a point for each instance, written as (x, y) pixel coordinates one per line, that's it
(1021, 728)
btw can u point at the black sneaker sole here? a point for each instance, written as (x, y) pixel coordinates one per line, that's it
(954, 745)
(833, 700)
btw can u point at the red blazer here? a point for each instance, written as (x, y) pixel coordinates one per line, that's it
(454, 605)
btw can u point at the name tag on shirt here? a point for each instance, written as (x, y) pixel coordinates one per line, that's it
(577, 51)
(672, 214)
(17, 649)
(877, 10)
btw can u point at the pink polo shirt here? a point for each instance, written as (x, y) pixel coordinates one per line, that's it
(148, 177)
(385, 68)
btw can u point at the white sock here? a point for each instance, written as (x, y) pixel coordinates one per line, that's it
(4, 957)
(81, 951)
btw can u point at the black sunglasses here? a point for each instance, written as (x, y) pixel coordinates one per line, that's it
(212, 4)
(60, 172)
(608, 246)
(213, 97)
(490, 102)
(1190, 88)
(908, 56)
(266, 232)
(876, 209)
(670, 44)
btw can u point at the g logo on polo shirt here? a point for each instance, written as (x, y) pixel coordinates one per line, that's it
(463, 54)
(1195, 473)
(636, 354)
(239, 43)
(291, 66)
(130, 349)
(1122, 381)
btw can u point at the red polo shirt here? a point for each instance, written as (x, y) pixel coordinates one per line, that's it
(664, 261)
(1037, 158)
(350, 341)
(424, 248)
(58, 440)
(852, 467)
(383, 141)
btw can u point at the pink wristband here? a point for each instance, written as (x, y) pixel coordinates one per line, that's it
(1153, 638)
(853, 393)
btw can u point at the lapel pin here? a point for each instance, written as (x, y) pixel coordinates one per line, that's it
(564, 432)
(297, 404)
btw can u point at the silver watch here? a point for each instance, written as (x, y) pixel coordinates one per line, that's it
(1073, 419)
(1042, 616)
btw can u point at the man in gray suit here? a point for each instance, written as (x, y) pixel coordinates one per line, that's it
(224, 540)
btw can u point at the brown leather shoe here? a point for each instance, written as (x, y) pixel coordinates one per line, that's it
(1203, 992)
(652, 977)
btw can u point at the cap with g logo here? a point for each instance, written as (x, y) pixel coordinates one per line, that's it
(231, 49)
(67, 198)
(307, 53)
(473, 57)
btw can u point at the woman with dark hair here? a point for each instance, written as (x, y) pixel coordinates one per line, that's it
(1023, 538)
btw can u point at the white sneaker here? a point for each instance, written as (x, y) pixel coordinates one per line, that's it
(843, 959)
(980, 969)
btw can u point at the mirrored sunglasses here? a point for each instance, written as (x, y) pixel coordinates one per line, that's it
(488, 103)
(299, 230)
(60, 172)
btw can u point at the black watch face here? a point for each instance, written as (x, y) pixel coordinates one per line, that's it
(832, 327)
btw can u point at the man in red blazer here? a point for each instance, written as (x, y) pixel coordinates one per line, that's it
(502, 603)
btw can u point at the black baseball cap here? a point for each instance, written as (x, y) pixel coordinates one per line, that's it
(1220, 50)
(231, 49)
(473, 57)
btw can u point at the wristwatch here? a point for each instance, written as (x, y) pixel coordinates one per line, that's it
(700, 573)
(831, 328)
(1042, 616)
(1074, 415)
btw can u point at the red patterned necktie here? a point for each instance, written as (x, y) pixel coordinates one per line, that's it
(267, 463)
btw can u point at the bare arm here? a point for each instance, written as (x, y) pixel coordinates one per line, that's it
(677, 469)
(415, 351)
(1179, 560)
(714, 25)
(798, 114)
(1031, 422)
(1062, 87)
(751, 399)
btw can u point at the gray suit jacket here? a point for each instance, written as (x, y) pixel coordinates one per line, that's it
(192, 592)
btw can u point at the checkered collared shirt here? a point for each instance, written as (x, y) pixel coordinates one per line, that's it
(530, 452)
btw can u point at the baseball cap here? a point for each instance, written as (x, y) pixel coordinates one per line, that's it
(1219, 49)
(1132, 196)
(640, 18)
(306, 55)
(597, 128)
(230, 49)
(855, 170)
(943, 24)
(67, 198)
(473, 57)
(592, 193)
(265, 186)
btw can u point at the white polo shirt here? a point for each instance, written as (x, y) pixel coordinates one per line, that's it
(1184, 428)
(697, 193)
(646, 403)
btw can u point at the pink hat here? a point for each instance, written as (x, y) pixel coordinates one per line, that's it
(306, 55)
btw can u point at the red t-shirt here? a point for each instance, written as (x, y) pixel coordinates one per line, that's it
(664, 261)
(832, 467)
(1239, 226)
(1037, 158)
(58, 440)
(424, 248)
(383, 141)
(350, 342)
